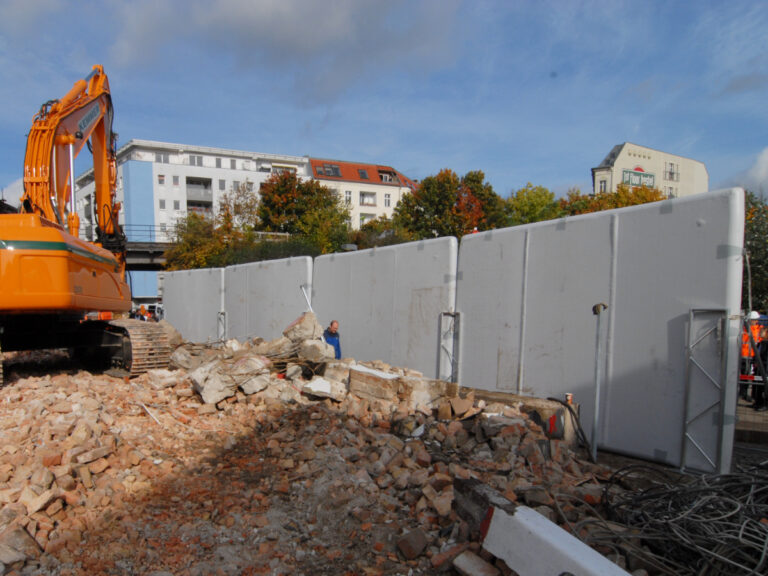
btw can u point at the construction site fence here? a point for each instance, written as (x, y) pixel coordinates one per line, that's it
(517, 310)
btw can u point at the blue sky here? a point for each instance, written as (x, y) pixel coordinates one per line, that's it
(526, 91)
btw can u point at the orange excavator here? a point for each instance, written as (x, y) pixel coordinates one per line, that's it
(56, 289)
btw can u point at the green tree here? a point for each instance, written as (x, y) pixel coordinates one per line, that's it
(380, 231)
(755, 271)
(531, 204)
(306, 207)
(446, 205)
(195, 244)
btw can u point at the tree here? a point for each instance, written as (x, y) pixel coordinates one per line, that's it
(305, 207)
(532, 204)
(578, 203)
(755, 271)
(493, 206)
(286, 200)
(380, 231)
(446, 205)
(194, 244)
(230, 238)
(240, 206)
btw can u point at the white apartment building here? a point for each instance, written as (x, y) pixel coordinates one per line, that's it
(159, 183)
(369, 190)
(637, 165)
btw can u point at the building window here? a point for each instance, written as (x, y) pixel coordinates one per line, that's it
(161, 179)
(162, 203)
(367, 198)
(235, 185)
(176, 205)
(387, 200)
(222, 184)
(348, 197)
(161, 157)
(233, 164)
(319, 170)
(330, 170)
(218, 162)
(603, 185)
(175, 180)
(283, 169)
(366, 218)
(672, 171)
(363, 173)
(195, 160)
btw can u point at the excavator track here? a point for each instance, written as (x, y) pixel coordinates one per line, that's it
(149, 345)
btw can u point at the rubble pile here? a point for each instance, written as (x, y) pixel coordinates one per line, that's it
(266, 458)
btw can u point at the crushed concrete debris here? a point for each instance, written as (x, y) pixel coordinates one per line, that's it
(265, 458)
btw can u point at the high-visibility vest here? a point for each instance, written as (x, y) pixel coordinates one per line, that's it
(746, 345)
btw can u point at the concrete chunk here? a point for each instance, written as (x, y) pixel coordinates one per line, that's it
(305, 327)
(316, 351)
(470, 564)
(372, 384)
(323, 388)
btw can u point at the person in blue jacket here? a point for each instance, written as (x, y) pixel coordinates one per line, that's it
(331, 336)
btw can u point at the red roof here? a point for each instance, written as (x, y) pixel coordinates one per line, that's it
(357, 172)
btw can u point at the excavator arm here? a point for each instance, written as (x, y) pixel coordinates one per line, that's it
(59, 132)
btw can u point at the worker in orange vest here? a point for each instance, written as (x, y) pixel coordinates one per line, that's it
(748, 365)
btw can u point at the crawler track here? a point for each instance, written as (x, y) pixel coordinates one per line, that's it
(149, 346)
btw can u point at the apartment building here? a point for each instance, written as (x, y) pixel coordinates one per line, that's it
(369, 190)
(159, 183)
(637, 165)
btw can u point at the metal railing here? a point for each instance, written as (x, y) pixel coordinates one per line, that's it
(134, 233)
(160, 233)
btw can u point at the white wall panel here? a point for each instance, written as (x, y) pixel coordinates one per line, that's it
(525, 296)
(262, 298)
(388, 302)
(193, 301)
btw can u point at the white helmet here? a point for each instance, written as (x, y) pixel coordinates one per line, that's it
(754, 315)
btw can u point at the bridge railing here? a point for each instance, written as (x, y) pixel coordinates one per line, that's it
(161, 233)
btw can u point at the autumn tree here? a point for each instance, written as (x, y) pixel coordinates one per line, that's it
(306, 207)
(531, 204)
(755, 271)
(492, 205)
(446, 205)
(577, 203)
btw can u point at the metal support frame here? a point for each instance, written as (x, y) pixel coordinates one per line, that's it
(453, 328)
(718, 330)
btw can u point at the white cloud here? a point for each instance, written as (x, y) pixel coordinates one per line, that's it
(326, 47)
(756, 178)
(21, 17)
(13, 192)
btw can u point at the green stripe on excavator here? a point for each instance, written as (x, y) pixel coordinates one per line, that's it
(43, 245)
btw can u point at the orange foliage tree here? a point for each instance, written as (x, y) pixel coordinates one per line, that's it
(577, 203)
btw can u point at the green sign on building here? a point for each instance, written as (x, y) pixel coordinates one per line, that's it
(635, 178)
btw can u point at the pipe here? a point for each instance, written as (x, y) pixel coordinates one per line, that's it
(597, 309)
